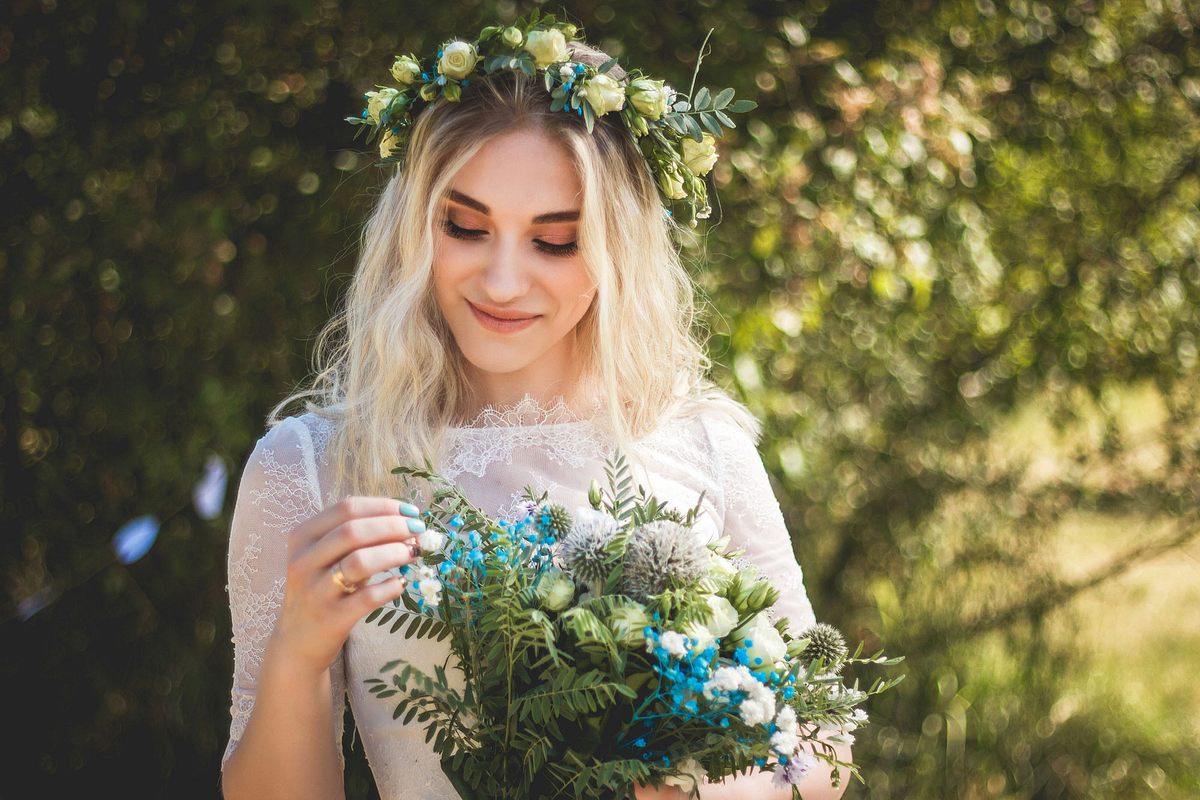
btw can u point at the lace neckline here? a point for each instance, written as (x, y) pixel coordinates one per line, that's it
(529, 412)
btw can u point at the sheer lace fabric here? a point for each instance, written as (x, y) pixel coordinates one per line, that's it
(493, 458)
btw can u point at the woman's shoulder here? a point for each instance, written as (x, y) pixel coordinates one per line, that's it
(712, 416)
(308, 431)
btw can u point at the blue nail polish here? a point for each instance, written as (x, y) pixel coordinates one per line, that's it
(416, 526)
(409, 510)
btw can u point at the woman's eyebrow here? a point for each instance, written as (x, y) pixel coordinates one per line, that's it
(553, 216)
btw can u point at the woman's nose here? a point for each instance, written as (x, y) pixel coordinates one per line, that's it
(505, 277)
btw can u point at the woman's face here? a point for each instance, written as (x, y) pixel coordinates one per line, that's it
(507, 245)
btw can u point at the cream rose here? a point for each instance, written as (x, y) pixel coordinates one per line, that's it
(547, 47)
(406, 70)
(458, 59)
(648, 97)
(388, 144)
(603, 94)
(700, 156)
(377, 103)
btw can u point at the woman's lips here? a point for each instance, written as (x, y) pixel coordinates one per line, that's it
(500, 325)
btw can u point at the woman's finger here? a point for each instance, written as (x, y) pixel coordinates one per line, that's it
(356, 534)
(341, 512)
(360, 565)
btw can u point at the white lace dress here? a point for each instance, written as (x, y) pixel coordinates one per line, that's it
(287, 478)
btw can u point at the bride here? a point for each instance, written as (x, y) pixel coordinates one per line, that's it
(518, 310)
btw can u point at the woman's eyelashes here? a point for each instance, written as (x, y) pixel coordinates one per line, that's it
(470, 234)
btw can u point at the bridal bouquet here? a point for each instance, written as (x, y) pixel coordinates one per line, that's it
(606, 647)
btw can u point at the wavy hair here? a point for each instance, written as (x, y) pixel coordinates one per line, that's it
(393, 402)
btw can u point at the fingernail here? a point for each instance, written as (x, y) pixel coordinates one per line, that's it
(416, 526)
(415, 549)
(409, 510)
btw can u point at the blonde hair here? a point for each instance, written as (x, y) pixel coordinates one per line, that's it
(387, 369)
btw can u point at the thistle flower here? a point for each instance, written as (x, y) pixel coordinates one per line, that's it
(584, 547)
(553, 520)
(659, 553)
(825, 642)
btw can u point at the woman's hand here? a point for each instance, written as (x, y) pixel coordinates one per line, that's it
(361, 536)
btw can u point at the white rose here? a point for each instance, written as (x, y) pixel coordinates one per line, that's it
(700, 156)
(603, 94)
(458, 59)
(648, 97)
(388, 144)
(765, 647)
(405, 70)
(547, 47)
(722, 616)
(377, 103)
(555, 589)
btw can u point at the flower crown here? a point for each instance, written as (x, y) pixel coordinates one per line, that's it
(666, 125)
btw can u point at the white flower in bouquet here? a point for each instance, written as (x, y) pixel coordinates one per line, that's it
(764, 646)
(628, 623)
(700, 636)
(431, 541)
(672, 642)
(786, 739)
(690, 777)
(555, 589)
(722, 616)
(423, 584)
(720, 573)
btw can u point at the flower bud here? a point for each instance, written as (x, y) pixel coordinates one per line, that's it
(555, 589)
(594, 493)
(648, 96)
(406, 70)
(512, 37)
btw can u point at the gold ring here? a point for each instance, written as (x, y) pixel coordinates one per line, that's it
(339, 578)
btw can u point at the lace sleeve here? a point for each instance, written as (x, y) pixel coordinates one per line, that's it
(754, 521)
(278, 490)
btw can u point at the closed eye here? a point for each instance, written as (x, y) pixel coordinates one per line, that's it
(471, 234)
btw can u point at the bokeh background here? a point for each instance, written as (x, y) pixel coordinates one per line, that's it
(953, 266)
